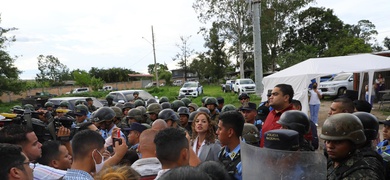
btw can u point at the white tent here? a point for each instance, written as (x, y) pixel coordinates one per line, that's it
(299, 75)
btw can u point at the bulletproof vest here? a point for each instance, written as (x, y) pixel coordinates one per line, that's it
(230, 165)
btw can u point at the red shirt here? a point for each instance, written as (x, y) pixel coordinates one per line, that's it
(271, 124)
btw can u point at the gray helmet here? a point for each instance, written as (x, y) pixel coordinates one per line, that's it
(29, 106)
(119, 105)
(183, 110)
(49, 104)
(211, 100)
(128, 105)
(135, 114)
(193, 105)
(64, 104)
(80, 101)
(103, 114)
(139, 102)
(176, 104)
(163, 99)
(81, 109)
(295, 120)
(142, 109)
(166, 105)
(251, 134)
(109, 97)
(181, 96)
(136, 92)
(186, 101)
(204, 99)
(150, 101)
(204, 109)
(153, 108)
(343, 126)
(192, 116)
(370, 124)
(168, 114)
(118, 112)
(228, 107)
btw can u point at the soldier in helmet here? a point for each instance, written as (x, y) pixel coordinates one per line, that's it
(144, 115)
(221, 103)
(184, 114)
(343, 134)
(166, 105)
(134, 115)
(49, 106)
(29, 106)
(91, 107)
(80, 112)
(139, 102)
(186, 101)
(118, 119)
(64, 105)
(244, 97)
(104, 119)
(297, 121)
(192, 107)
(110, 101)
(126, 108)
(153, 110)
(80, 101)
(136, 96)
(170, 117)
(203, 100)
(211, 103)
(163, 99)
(228, 107)
(176, 104)
(251, 134)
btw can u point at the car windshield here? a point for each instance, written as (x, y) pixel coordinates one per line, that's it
(190, 85)
(143, 94)
(246, 81)
(341, 77)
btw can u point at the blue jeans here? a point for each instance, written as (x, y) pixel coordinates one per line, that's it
(372, 98)
(314, 109)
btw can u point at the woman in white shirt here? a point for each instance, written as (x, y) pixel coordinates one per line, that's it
(314, 103)
(204, 145)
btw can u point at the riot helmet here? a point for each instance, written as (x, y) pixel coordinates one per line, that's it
(295, 120)
(370, 124)
(103, 114)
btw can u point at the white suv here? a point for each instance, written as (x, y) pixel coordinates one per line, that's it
(337, 85)
(79, 90)
(244, 86)
(193, 89)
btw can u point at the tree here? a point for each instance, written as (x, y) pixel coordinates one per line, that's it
(184, 54)
(160, 69)
(386, 43)
(96, 83)
(365, 30)
(9, 74)
(166, 75)
(51, 70)
(82, 78)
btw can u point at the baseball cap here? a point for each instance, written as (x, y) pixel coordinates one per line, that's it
(243, 96)
(248, 106)
(220, 100)
(262, 112)
(135, 127)
(282, 139)
(386, 121)
(88, 99)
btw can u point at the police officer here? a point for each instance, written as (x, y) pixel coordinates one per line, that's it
(343, 133)
(297, 121)
(104, 119)
(80, 112)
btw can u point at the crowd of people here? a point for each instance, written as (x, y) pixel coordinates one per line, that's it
(183, 140)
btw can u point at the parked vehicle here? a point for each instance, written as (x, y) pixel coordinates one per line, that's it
(151, 84)
(244, 86)
(177, 82)
(127, 96)
(193, 89)
(72, 101)
(228, 86)
(337, 85)
(78, 90)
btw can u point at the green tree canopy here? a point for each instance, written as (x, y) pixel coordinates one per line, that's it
(51, 70)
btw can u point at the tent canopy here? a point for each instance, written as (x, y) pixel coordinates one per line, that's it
(299, 75)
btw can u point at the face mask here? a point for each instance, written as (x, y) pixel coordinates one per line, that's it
(98, 167)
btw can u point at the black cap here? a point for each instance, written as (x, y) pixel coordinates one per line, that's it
(220, 100)
(243, 96)
(88, 99)
(385, 122)
(248, 106)
(282, 139)
(135, 127)
(262, 112)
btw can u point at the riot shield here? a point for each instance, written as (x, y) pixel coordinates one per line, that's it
(270, 164)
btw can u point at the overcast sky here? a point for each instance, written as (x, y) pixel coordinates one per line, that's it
(105, 34)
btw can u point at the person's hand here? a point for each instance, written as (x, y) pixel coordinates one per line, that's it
(115, 132)
(120, 149)
(63, 132)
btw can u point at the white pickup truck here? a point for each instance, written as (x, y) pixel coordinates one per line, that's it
(337, 85)
(244, 86)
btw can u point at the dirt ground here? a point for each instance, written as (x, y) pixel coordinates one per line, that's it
(324, 109)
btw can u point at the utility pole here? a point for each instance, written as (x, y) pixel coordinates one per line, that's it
(155, 64)
(256, 6)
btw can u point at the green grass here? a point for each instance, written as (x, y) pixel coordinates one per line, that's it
(169, 91)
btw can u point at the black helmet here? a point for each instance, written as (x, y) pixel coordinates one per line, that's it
(181, 96)
(136, 93)
(163, 99)
(186, 101)
(139, 102)
(370, 124)
(243, 95)
(150, 101)
(128, 105)
(168, 114)
(343, 126)
(103, 114)
(29, 106)
(176, 104)
(228, 107)
(119, 105)
(295, 120)
(80, 101)
(183, 110)
(109, 97)
(192, 116)
(135, 114)
(204, 109)
(49, 104)
(204, 99)
(166, 105)
(153, 108)
(211, 100)
(64, 104)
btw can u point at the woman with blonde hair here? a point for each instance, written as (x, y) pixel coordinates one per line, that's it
(118, 173)
(205, 145)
